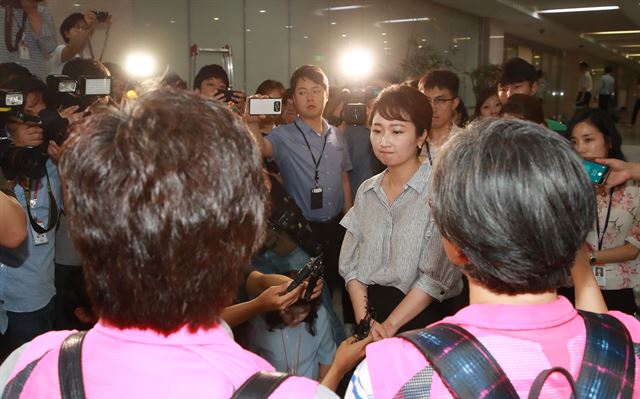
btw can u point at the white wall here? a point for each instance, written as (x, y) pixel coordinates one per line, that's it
(288, 34)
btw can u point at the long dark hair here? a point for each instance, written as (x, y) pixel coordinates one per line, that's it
(603, 122)
(274, 320)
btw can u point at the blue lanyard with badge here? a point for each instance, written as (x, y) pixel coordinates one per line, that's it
(38, 226)
(316, 192)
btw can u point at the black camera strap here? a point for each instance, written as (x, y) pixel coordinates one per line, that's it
(8, 24)
(316, 163)
(52, 219)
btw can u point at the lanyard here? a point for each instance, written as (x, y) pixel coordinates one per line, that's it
(426, 142)
(8, 22)
(316, 163)
(606, 222)
(52, 219)
(286, 358)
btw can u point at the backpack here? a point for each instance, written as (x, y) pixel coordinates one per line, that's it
(258, 386)
(468, 369)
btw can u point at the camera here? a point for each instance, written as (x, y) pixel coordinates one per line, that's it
(81, 92)
(101, 16)
(9, 99)
(354, 111)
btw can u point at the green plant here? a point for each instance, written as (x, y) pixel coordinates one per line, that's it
(484, 76)
(422, 57)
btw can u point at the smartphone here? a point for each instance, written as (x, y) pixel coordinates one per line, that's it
(101, 16)
(228, 95)
(265, 106)
(598, 172)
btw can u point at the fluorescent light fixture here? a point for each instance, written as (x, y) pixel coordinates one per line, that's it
(630, 46)
(496, 37)
(457, 39)
(401, 21)
(357, 63)
(334, 23)
(614, 32)
(578, 9)
(345, 8)
(262, 11)
(633, 55)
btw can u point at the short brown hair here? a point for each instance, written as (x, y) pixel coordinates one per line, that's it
(311, 72)
(165, 207)
(403, 103)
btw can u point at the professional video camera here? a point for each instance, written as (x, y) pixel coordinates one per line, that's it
(354, 111)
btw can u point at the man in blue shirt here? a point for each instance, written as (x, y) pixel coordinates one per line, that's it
(314, 161)
(27, 272)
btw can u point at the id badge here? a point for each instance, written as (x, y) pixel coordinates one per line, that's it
(601, 275)
(23, 50)
(316, 198)
(39, 239)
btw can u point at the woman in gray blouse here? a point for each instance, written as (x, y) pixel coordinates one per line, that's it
(392, 256)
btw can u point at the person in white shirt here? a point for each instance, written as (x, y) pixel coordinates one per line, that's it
(76, 31)
(585, 85)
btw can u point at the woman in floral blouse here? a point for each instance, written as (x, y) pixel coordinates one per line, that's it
(614, 242)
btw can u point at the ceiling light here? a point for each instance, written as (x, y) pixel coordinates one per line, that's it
(400, 21)
(613, 32)
(344, 8)
(457, 39)
(578, 9)
(216, 19)
(384, 33)
(633, 55)
(630, 46)
(344, 35)
(262, 11)
(333, 23)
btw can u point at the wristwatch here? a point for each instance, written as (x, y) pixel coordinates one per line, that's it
(592, 259)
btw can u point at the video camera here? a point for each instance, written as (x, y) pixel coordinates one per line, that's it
(354, 111)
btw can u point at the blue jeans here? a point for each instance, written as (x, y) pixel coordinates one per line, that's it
(270, 263)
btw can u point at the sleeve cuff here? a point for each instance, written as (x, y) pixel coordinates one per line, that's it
(435, 289)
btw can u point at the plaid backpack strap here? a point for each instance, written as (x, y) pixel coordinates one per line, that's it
(14, 388)
(260, 385)
(608, 347)
(464, 365)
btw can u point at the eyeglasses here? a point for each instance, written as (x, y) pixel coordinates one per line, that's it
(439, 101)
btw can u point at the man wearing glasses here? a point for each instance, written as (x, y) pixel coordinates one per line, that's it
(441, 89)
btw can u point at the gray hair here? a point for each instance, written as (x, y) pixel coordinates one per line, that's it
(515, 198)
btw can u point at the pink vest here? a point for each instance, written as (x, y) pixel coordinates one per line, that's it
(524, 339)
(141, 363)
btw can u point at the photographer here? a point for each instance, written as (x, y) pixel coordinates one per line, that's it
(29, 37)
(76, 31)
(26, 298)
(212, 81)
